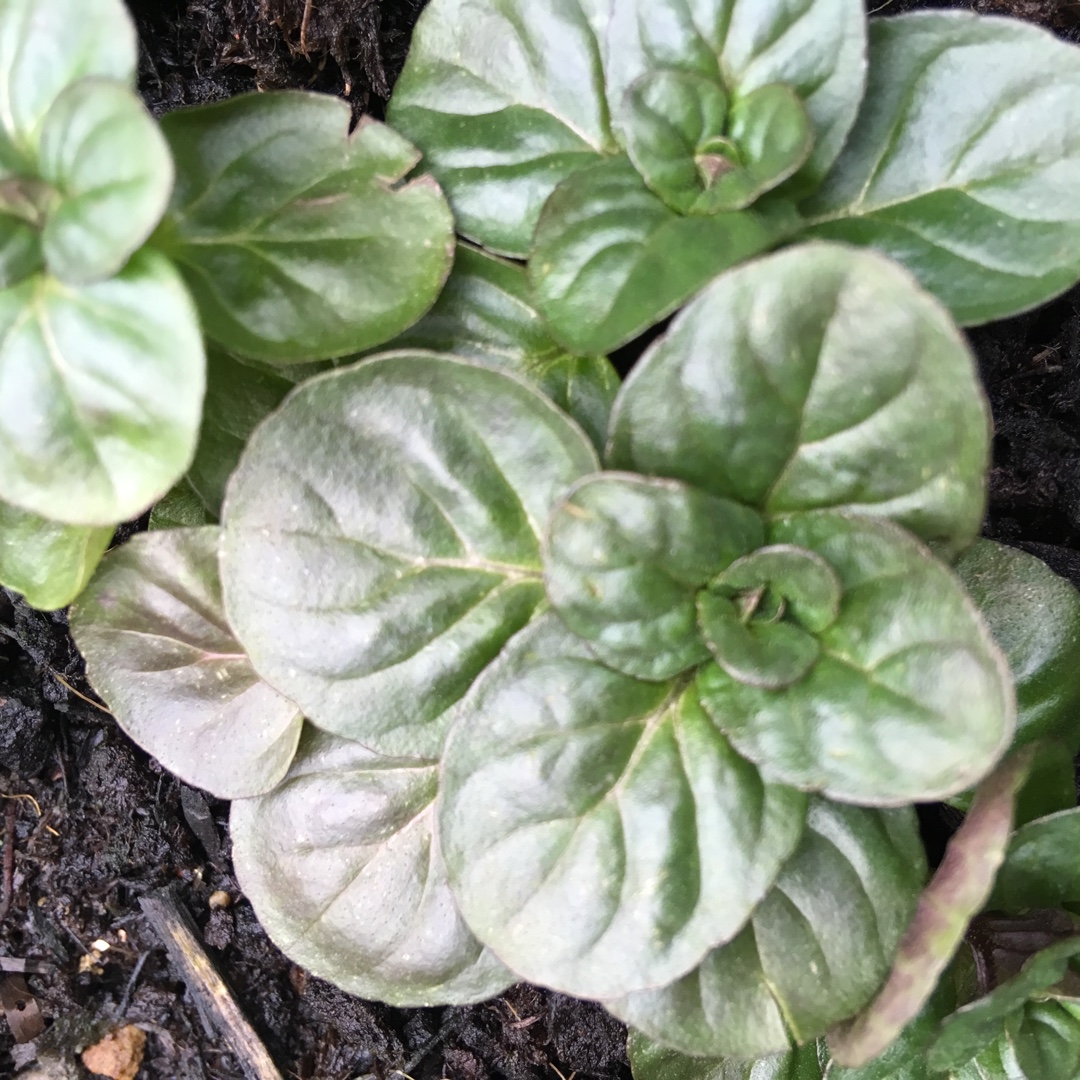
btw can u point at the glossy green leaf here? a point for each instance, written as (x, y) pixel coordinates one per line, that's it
(159, 652)
(653, 1061)
(975, 1025)
(343, 871)
(505, 98)
(789, 384)
(47, 562)
(238, 397)
(910, 700)
(373, 593)
(296, 237)
(623, 559)
(816, 47)
(1042, 865)
(45, 45)
(100, 391)
(1045, 1038)
(1034, 616)
(610, 259)
(814, 951)
(976, 200)
(668, 117)
(111, 169)
(959, 889)
(600, 833)
(181, 508)
(486, 313)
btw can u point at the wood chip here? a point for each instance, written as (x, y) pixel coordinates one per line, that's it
(119, 1055)
(21, 1009)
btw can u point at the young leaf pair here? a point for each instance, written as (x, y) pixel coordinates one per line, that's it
(531, 748)
(633, 149)
(259, 221)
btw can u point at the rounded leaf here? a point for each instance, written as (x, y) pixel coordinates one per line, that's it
(599, 832)
(977, 201)
(1034, 615)
(342, 869)
(45, 46)
(653, 1061)
(47, 562)
(910, 699)
(486, 313)
(373, 594)
(111, 169)
(815, 950)
(816, 47)
(624, 558)
(160, 654)
(1042, 865)
(505, 98)
(610, 259)
(295, 236)
(789, 384)
(180, 508)
(100, 391)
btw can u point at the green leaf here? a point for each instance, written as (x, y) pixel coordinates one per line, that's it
(181, 508)
(1045, 1038)
(486, 313)
(910, 700)
(342, 869)
(610, 259)
(816, 47)
(977, 201)
(45, 46)
(100, 391)
(295, 236)
(1034, 616)
(110, 167)
(959, 889)
(623, 559)
(47, 562)
(238, 397)
(652, 1061)
(373, 595)
(1042, 865)
(159, 652)
(971, 1028)
(789, 384)
(600, 833)
(20, 249)
(505, 98)
(814, 951)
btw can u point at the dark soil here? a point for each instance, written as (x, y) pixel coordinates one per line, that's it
(97, 825)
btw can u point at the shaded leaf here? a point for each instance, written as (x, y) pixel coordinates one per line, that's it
(652, 1061)
(789, 384)
(100, 391)
(373, 595)
(505, 98)
(1042, 865)
(610, 259)
(814, 951)
(181, 508)
(159, 652)
(486, 313)
(910, 699)
(976, 201)
(624, 558)
(111, 169)
(959, 888)
(295, 236)
(600, 833)
(47, 562)
(343, 871)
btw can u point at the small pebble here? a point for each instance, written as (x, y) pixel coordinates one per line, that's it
(219, 899)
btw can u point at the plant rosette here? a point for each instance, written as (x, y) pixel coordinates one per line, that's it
(633, 149)
(260, 221)
(619, 728)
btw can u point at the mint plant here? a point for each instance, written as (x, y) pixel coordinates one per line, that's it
(260, 221)
(646, 725)
(633, 149)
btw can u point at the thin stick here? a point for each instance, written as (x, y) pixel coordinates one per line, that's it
(89, 701)
(8, 894)
(174, 926)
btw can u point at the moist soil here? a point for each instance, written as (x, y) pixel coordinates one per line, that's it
(94, 824)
